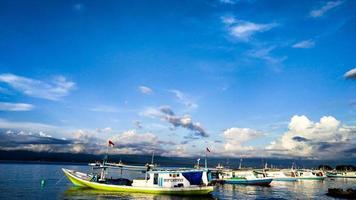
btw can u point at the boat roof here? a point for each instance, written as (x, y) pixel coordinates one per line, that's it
(147, 167)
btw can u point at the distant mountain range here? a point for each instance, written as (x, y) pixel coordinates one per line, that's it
(29, 156)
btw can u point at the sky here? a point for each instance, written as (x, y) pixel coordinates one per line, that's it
(244, 78)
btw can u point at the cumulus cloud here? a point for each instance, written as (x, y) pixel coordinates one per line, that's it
(166, 113)
(84, 141)
(325, 8)
(244, 30)
(305, 44)
(235, 139)
(5, 106)
(29, 140)
(324, 139)
(132, 142)
(184, 99)
(54, 90)
(180, 150)
(351, 74)
(145, 90)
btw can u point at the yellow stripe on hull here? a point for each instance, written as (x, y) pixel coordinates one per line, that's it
(153, 190)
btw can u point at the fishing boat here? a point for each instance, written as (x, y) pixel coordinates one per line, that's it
(341, 193)
(305, 174)
(157, 181)
(282, 174)
(245, 177)
(341, 174)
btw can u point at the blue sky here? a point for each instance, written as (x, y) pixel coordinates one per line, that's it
(239, 76)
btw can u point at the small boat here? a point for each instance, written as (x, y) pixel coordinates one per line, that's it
(310, 175)
(157, 181)
(282, 175)
(340, 174)
(340, 193)
(245, 177)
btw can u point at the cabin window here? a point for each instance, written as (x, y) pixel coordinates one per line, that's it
(155, 179)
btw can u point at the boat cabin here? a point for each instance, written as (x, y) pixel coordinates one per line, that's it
(172, 179)
(227, 174)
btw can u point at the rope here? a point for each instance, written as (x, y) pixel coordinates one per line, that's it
(59, 180)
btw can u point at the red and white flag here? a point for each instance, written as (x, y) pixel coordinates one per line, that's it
(111, 143)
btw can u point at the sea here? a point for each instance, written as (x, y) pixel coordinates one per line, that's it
(46, 181)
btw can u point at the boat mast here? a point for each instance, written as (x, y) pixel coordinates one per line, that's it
(240, 163)
(153, 156)
(206, 159)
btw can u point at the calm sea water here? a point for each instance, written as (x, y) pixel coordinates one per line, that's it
(23, 181)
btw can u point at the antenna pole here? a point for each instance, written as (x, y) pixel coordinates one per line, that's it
(206, 159)
(153, 155)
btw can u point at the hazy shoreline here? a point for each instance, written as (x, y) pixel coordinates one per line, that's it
(82, 159)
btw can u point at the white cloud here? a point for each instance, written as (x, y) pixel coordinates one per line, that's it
(184, 99)
(351, 74)
(244, 30)
(327, 138)
(132, 142)
(5, 106)
(235, 139)
(305, 44)
(325, 8)
(54, 90)
(180, 150)
(145, 89)
(228, 20)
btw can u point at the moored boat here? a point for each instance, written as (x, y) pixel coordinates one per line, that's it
(341, 174)
(340, 193)
(246, 177)
(282, 175)
(177, 182)
(310, 175)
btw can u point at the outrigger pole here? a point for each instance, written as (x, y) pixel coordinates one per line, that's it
(206, 157)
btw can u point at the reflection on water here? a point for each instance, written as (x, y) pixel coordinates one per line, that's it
(23, 181)
(84, 193)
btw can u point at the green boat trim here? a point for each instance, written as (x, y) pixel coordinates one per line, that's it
(198, 190)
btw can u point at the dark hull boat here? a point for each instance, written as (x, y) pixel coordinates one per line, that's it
(340, 193)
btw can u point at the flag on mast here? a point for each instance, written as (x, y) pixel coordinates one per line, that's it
(207, 149)
(111, 143)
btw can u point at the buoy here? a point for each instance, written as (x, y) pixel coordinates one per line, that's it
(42, 183)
